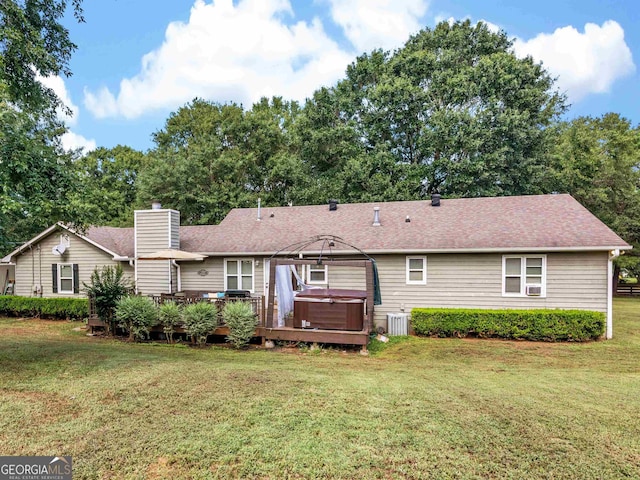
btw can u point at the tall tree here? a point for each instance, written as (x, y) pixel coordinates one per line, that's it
(36, 176)
(35, 173)
(597, 160)
(210, 158)
(107, 185)
(34, 42)
(454, 105)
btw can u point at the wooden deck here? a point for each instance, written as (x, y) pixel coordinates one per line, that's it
(291, 334)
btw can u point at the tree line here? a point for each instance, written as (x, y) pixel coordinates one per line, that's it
(453, 111)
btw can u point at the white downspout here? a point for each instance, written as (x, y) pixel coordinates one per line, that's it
(132, 264)
(612, 255)
(178, 274)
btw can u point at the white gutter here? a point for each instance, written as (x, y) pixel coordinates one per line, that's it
(408, 251)
(612, 255)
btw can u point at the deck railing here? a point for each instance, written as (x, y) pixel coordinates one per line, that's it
(256, 302)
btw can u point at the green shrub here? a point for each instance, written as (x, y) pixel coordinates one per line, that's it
(58, 308)
(242, 322)
(108, 286)
(539, 325)
(137, 315)
(170, 316)
(200, 319)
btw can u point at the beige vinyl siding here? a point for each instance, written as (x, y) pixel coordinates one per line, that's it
(214, 280)
(152, 231)
(174, 228)
(79, 251)
(351, 278)
(574, 280)
(153, 277)
(156, 230)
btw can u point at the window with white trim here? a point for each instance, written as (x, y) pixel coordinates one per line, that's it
(239, 274)
(524, 275)
(65, 278)
(317, 274)
(416, 270)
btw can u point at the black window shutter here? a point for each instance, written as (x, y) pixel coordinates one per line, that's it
(76, 282)
(54, 275)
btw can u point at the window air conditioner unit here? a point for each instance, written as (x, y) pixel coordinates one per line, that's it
(534, 290)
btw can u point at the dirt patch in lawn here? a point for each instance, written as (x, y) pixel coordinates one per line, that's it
(40, 407)
(29, 327)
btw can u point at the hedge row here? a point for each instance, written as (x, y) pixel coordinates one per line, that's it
(60, 308)
(538, 325)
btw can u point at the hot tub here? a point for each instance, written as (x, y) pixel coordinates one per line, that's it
(330, 309)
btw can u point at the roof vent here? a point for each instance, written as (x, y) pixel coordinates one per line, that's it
(408, 219)
(156, 205)
(376, 216)
(435, 200)
(333, 205)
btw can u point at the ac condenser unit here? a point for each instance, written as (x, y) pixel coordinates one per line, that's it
(398, 323)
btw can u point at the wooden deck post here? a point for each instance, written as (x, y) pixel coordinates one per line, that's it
(272, 288)
(270, 331)
(370, 296)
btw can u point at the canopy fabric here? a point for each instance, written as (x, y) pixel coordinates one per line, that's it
(172, 254)
(284, 291)
(377, 296)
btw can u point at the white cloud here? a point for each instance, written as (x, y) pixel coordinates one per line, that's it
(56, 83)
(228, 52)
(74, 141)
(585, 63)
(491, 26)
(370, 24)
(69, 140)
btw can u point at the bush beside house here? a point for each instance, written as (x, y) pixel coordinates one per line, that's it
(537, 325)
(137, 315)
(200, 319)
(57, 308)
(107, 286)
(170, 315)
(242, 322)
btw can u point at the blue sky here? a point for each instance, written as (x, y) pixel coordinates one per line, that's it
(139, 60)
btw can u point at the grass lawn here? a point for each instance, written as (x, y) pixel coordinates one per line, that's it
(421, 408)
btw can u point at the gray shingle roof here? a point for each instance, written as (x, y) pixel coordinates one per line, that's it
(117, 240)
(537, 221)
(493, 223)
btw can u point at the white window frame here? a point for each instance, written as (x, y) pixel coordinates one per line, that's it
(423, 270)
(239, 261)
(60, 290)
(317, 269)
(523, 276)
